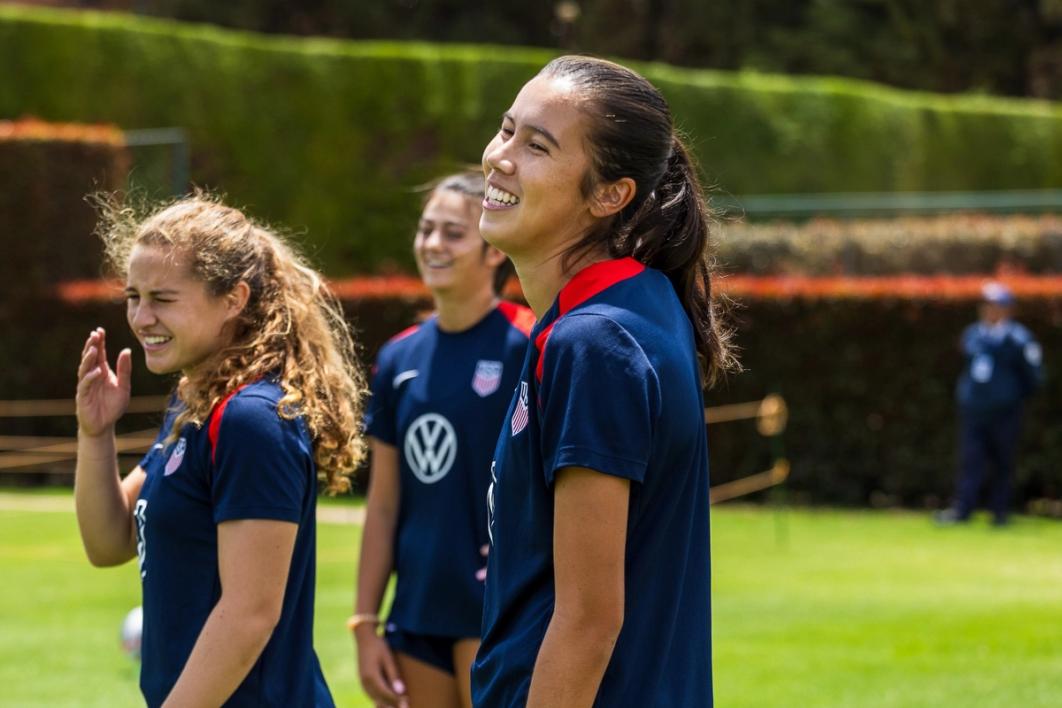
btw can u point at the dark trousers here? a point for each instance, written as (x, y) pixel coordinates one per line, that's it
(987, 440)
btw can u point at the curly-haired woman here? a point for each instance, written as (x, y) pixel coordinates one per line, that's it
(220, 511)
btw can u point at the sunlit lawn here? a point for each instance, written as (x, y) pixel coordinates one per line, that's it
(812, 608)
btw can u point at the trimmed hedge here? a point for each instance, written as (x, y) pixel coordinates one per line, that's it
(46, 225)
(869, 383)
(869, 380)
(329, 136)
(953, 244)
(39, 354)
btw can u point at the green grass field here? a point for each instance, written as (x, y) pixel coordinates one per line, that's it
(811, 608)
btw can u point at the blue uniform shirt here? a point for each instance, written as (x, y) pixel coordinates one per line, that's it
(248, 463)
(612, 383)
(440, 399)
(1002, 367)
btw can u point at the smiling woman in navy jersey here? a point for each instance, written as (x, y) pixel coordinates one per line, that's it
(439, 395)
(598, 580)
(221, 510)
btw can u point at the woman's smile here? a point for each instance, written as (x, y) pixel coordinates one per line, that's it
(497, 198)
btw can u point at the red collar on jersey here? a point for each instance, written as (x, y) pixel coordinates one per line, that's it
(590, 281)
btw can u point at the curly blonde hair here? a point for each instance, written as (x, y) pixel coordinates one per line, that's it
(292, 327)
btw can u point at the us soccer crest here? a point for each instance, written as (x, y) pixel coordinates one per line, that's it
(488, 377)
(521, 413)
(176, 457)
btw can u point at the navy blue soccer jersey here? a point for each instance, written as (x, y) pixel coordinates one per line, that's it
(248, 463)
(440, 399)
(612, 384)
(1002, 368)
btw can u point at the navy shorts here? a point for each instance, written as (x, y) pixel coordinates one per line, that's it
(431, 649)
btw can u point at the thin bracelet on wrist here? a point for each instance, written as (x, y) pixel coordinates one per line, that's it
(356, 620)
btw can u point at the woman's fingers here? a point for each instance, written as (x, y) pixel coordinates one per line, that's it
(86, 380)
(124, 369)
(90, 341)
(379, 675)
(394, 678)
(87, 364)
(376, 687)
(103, 350)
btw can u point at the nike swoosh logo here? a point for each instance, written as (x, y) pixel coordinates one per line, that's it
(403, 377)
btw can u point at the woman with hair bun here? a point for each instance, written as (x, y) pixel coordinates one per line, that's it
(439, 393)
(598, 580)
(221, 510)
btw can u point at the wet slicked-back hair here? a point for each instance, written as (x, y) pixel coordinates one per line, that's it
(667, 224)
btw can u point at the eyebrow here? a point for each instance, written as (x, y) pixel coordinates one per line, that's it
(538, 129)
(154, 293)
(462, 224)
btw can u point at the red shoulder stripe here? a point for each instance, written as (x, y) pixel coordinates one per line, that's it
(520, 317)
(214, 429)
(590, 281)
(404, 333)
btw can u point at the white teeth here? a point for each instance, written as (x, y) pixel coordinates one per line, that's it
(156, 340)
(501, 196)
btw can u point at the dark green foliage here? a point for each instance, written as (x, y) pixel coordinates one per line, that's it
(969, 244)
(46, 225)
(330, 137)
(1001, 46)
(870, 385)
(46, 228)
(39, 355)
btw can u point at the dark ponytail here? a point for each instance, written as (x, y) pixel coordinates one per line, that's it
(667, 224)
(671, 232)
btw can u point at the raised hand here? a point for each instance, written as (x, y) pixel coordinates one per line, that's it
(102, 392)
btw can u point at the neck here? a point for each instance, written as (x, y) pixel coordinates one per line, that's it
(456, 313)
(542, 280)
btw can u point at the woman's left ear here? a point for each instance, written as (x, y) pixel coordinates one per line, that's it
(493, 256)
(611, 198)
(237, 299)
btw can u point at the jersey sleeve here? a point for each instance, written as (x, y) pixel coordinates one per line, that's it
(1030, 360)
(262, 465)
(379, 413)
(600, 399)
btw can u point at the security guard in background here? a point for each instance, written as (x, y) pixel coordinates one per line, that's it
(1002, 368)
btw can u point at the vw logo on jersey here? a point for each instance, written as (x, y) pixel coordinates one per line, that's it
(488, 377)
(176, 458)
(431, 447)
